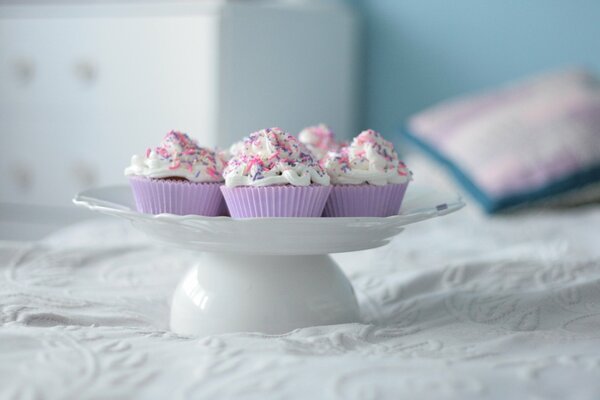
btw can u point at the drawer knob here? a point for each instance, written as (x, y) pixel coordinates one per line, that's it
(85, 72)
(24, 70)
(85, 175)
(22, 177)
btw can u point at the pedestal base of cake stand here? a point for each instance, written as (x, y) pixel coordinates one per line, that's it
(244, 284)
(261, 293)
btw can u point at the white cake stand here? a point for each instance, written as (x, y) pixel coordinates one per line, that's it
(268, 275)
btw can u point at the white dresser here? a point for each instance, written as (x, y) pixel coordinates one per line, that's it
(82, 87)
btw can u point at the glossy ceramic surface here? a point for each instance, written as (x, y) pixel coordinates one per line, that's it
(272, 236)
(268, 275)
(275, 294)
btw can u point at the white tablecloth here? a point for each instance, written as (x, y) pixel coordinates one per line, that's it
(459, 307)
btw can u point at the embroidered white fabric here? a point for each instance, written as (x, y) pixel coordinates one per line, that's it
(459, 307)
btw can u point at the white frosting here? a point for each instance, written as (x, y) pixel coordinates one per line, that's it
(273, 157)
(235, 148)
(228, 153)
(178, 156)
(369, 159)
(319, 139)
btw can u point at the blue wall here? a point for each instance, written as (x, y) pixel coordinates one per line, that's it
(422, 51)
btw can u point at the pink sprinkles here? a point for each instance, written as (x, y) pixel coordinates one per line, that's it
(325, 137)
(288, 153)
(374, 138)
(377, 143)
(180, 151)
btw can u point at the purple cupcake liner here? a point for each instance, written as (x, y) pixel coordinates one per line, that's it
(276, 201)
(223, 210)
(157, 196)
(365, 200)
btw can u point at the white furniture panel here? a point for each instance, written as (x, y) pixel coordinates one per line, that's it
(80, 95)
(83, 87)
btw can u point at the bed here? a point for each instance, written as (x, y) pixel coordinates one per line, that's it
(464, 306)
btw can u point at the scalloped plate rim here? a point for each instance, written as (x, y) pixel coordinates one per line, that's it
(412, 216)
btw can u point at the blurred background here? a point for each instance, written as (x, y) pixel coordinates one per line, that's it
(84, 85)
(420, 52)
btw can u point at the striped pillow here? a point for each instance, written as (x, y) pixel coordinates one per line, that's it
(520, 143)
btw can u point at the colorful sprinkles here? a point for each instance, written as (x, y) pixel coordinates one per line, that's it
(180, 151)
(318, 136)
(369, 151)
(271, 150)
(271, 153)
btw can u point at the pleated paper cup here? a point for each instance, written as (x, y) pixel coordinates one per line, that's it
(158, 196)
(365, 200)
(276, 201)
(223, 210)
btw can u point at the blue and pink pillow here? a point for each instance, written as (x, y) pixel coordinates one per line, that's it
(521, 143)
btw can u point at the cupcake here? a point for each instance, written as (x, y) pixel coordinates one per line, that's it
(319, 139)
(274, 175)
(367, 178)
(177, 177)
